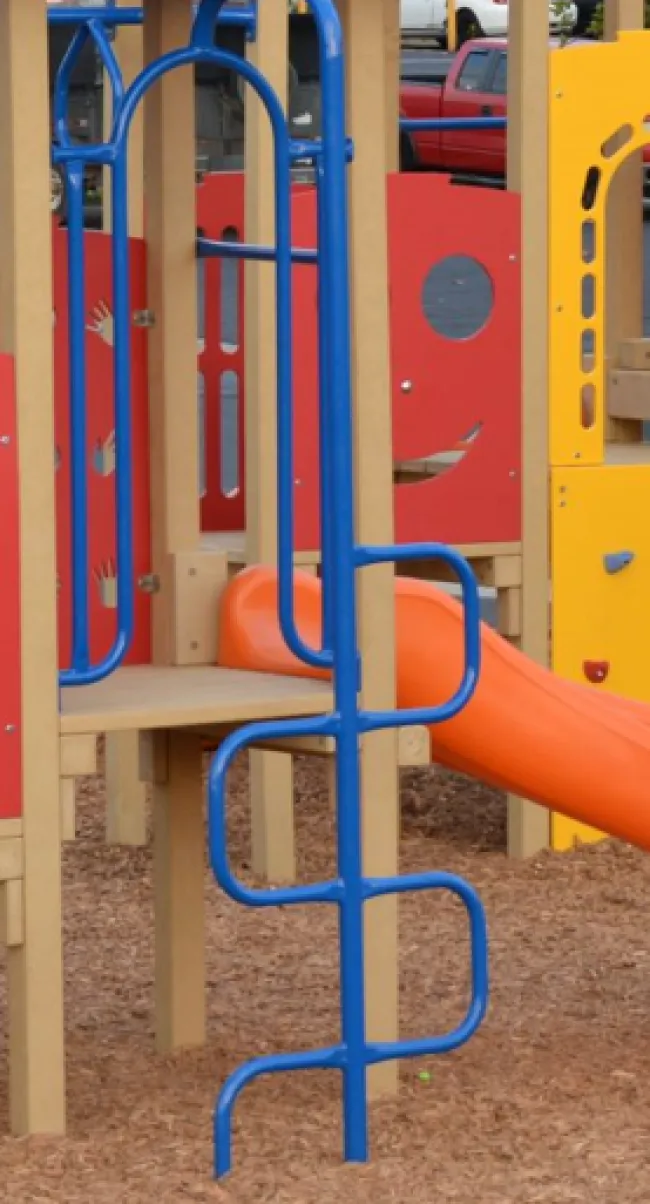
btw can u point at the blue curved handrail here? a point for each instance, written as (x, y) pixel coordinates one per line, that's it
(350, 890)
(113, 17)
(113, 153)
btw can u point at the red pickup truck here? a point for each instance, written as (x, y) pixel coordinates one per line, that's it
(473, 83)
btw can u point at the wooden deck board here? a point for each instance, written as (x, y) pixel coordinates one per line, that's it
(149, 697)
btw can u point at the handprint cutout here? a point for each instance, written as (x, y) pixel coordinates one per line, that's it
(104, 456)
(106, 579)
(101, 323)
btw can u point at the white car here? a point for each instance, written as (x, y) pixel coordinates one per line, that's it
(428, 18)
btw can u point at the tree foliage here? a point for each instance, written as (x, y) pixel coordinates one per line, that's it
(597, 27)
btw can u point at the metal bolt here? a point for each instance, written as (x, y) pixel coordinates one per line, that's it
(577, 455)
(512, 474)
(149, 583)
(406, 386)
(194, 645)
(10, 728)
(559, 95)
(297, 481)
(559, 309)
(513, 258)
(5, 440)
(191, 572)
(144, 318)
(562, 505)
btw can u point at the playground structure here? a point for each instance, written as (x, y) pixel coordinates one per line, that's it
(174, 695)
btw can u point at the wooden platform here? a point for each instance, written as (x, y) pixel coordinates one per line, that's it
(147, 698)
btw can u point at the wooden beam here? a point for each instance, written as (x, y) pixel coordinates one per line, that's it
(169, 162)
(624, 248)
(126, 807)
(36, 1038)
(393, 68)
(528, 89)
(367, 108)
(271, 774)
(179, 874)
(128, 48)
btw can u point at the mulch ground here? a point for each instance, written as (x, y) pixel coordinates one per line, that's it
(549, 1103)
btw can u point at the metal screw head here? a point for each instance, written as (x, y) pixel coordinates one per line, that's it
(5, 440)
(10, 728)
(407, 386)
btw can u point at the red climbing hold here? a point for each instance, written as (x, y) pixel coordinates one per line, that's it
(596, 671)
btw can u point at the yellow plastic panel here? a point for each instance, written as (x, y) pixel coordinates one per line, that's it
(599, 98)
(600, 617)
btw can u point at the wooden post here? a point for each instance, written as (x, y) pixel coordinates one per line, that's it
(171, 239)
(169, 164)
(36, 1039)
(271, 774)
(367, 108)
(179, 874)
(126, 811)
(528, 86)
(624, 241)
(393, 65)
(128, 47)
(452, 26)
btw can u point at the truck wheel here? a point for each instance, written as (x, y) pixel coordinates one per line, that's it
(467, 26)
(407, 160)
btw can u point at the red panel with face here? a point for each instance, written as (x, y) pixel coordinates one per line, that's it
(10, 671)
(456, 388)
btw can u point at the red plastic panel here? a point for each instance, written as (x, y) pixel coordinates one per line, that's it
(100, 463)
(305, 379)
(454, 385)
(10, 673)
(220, 215)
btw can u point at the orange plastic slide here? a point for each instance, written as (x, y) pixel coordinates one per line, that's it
(570, 747)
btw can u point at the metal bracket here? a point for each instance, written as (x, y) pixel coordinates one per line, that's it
(149, 583)
(144, 318)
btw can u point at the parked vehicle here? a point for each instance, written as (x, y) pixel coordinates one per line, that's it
(473, 83)
(474, 18)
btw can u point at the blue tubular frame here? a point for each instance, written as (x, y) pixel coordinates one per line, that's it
(73, 157)
(350, 890)
(113, 17)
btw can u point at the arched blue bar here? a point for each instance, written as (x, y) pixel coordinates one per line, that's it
(349, 890)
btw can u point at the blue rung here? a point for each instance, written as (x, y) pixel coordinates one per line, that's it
(350, 892)
(212, 248)
(112, 17)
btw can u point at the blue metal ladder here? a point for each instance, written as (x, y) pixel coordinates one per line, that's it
(342, 557)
